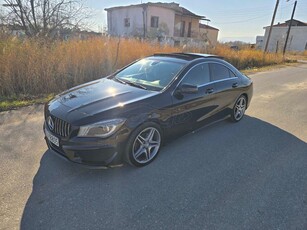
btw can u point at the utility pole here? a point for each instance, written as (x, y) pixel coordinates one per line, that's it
(270, 31)
(290, 25)
(144, 26)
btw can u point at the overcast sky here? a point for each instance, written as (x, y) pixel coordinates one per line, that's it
(236, 19)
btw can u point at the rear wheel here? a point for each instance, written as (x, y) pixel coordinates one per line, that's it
(143, 145)
(239, 108)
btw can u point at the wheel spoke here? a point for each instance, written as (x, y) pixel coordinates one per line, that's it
(150, 135)
(140, 151)
(147, 154)
(151, 149)
(141, 139)
(154, 144)
(241, 102)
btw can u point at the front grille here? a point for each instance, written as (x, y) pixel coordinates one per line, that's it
(61, 127)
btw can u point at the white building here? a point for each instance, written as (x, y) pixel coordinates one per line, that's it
(259, 42)
(297, 38)
(167, 22)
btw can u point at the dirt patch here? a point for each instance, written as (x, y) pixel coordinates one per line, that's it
(296, 86)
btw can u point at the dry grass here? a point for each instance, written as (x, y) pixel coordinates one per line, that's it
(248, 58)
(297, 55)
(16, 103)
(32, 67)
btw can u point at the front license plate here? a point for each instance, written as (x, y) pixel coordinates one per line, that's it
(53, 139)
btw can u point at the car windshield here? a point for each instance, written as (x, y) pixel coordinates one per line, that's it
(149, 73)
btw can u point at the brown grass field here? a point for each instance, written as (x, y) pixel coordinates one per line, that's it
(30, 68)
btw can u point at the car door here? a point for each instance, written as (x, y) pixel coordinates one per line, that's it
(226, 88)
(190, 109)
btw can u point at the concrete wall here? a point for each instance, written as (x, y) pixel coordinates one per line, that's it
(186, 19)
(166, 21)
(116, 21)
(297, 39)
(168, 30)
(209, 35)
(259, 42)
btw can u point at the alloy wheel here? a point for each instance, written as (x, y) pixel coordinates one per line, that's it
(146, 145)
(239, 109)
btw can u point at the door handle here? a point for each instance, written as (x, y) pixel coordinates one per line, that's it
(209, 90)
(235, 85)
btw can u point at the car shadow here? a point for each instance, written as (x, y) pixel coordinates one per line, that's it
(249, 175)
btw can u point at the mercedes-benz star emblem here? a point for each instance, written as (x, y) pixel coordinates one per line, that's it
(50, 123)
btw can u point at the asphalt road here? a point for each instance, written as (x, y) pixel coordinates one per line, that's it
(249, 175)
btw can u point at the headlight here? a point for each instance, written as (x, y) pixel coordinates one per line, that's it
(101, 129)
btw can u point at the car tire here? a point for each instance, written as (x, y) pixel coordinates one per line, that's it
(239, 108)
(143, 145)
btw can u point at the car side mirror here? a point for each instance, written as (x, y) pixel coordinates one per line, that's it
(188, 89)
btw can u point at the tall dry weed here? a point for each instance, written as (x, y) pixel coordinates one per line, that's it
(34, 67)
(248, 58)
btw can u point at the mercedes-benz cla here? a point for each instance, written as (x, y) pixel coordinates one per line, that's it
(127, 115)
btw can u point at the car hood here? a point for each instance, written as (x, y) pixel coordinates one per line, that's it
(96, 97)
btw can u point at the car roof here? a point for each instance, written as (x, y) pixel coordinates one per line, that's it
(187, 56)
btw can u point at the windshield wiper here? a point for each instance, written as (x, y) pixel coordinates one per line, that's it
(120, 80)
(135, 84)
(130, 83)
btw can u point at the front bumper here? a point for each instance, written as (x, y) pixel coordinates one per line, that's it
(90, 152)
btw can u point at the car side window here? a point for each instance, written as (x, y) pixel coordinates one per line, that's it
(232, 74)
(198, 75)
(220, 72)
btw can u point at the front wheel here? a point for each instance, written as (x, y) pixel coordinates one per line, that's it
(239, 108)
(144, 144)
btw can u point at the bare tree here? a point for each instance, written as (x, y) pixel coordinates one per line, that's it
(45, 17)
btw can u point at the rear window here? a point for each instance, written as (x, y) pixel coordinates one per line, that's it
(220, 72)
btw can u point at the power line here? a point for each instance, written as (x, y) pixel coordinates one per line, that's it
(247, 10)
(245, 20)
(235, 15)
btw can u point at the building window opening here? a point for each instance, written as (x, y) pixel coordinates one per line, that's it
(190, 29)
(127, 22)
(154, 22)
(182, 29)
